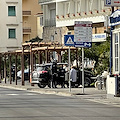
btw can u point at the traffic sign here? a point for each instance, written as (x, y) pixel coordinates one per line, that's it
(69, 40)
(83, 33)
(83, 44)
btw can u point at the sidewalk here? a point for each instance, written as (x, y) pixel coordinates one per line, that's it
(89, 93)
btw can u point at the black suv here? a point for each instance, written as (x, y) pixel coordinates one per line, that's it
(48, 73)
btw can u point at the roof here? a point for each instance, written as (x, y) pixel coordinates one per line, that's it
(40, 46)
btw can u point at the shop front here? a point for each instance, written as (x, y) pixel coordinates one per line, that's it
(113, 82)
(115, 27)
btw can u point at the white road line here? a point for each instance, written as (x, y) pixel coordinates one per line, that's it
(21, 94)
(12, 94)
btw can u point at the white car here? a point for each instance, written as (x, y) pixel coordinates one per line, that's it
(26, 74)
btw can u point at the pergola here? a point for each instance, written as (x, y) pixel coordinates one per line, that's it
(31, 49)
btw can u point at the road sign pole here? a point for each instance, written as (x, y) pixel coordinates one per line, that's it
(83, 38)
(83, 70)
(69, 70)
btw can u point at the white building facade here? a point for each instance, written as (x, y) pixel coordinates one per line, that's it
(10, 25)
(63, 13)
(80, 10)
(115, 26)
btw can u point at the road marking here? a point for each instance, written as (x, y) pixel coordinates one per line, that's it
(106, 101)
(30, 94)
(20, 94)
(12, 94)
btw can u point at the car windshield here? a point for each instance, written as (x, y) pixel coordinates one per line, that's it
(41, 68)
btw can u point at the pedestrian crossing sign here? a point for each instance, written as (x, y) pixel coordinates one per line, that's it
(69, 40)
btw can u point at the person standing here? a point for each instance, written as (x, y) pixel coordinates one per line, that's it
(73, 75)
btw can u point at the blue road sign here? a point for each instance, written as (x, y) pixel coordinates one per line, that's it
(83, 44)
(108, 2)
(69, 40)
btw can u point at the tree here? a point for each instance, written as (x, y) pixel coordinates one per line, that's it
(100, 52)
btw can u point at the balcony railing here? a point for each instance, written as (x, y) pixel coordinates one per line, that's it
(51, 22)
(45, 1)
(26, 13)
(26, 30)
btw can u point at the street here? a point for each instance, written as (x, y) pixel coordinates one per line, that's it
(25, 105)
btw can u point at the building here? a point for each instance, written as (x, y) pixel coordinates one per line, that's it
(50, 31)
(59, 17)
(115, 27)
(31, 13)
(10, 25)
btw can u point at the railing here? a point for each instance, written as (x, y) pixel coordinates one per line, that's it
(26, 13)
(51, 22)
(26, 30)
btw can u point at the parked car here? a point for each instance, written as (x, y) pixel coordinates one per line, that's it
(26, 74)
(89, 78)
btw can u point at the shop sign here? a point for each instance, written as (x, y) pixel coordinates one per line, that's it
(99, 37)
(83, 33)
(115, 18)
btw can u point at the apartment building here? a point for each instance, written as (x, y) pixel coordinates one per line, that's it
(10, 25)
(59, 17)
(50, 31)
(31, 12)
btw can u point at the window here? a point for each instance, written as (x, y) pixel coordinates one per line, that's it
(66, 8)
(11, 11)
(78, 7)
(116, 52)
(41, 21)
(12, 33)
(52, 38)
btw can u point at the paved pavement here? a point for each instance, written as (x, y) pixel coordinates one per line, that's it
(90, 93)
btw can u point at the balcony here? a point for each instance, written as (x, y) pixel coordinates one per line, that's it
(46, 1)
(26, 13)
(27, 30)
(51, 22)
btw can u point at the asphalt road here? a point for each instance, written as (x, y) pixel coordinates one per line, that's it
(24, 105)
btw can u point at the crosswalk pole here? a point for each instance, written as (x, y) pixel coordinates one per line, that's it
(69, 71)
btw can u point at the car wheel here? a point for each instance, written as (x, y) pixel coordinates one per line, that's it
(87, 82)
(41, 85)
